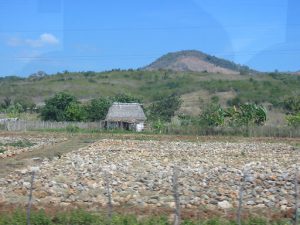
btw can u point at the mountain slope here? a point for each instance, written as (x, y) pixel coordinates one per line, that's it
(196, 61)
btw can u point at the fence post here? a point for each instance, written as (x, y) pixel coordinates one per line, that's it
(108, 191)
(176, 196)
(241, 194)
(296, 196)
(30, 197)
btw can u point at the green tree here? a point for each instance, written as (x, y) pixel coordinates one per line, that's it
(165, 108)
(292, 105)
(75, 112)
(6, 102)
(55, 108)
(97, 109)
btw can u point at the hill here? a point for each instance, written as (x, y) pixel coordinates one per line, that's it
(196, 61)
(195, 88)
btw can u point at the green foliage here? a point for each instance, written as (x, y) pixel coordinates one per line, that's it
(246, 114)
(158, 125)
(6, 102)
(293, 120)
(243, 115)
(56, 107)
(81, 217)
(21, 144)
(14, 110)
(165, 107)
(97, 109)
(125, 98)
(40, 218)
(151, 84)
(75, 112)
(26, 103)
(212, 116)
(65, 107)
(292, 104)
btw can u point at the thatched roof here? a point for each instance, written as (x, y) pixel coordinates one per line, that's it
(125, 112)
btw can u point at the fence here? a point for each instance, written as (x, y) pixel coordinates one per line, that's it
(23, 125)
(174, 188)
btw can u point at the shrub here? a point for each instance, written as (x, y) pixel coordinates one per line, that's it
(164, 109)
(97, 109)
(72, 129)
(212, 116)
(293, 120)
(55, 108)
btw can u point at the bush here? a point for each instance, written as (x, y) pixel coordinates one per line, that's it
(56, 107)
(97, 109)
(72, 129)
(75, 112)
(293, 120)
(291, 105)
(164, 109)
(212, 116)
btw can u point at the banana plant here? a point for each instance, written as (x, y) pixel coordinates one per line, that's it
(246, 114)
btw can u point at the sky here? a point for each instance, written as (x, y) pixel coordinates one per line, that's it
(98, 35)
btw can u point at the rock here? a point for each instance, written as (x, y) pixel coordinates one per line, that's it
(251, 202)
(141, 174)
(224, 205)
(26, 185)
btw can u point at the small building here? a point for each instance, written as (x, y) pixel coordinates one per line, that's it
(128, 116)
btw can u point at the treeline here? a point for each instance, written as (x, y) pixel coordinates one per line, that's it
(66, 107)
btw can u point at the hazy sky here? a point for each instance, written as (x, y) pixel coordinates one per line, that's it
(77, 35)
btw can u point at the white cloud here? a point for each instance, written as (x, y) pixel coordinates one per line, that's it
(44, 39)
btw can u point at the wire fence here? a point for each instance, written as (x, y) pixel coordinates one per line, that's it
(174, 187)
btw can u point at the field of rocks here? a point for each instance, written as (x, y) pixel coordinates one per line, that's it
(140, 175)
(11, 146)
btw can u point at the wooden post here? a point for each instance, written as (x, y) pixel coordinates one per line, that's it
(30, 198)
(296, 196)
(241, 194)
(108, 191)
(176, 196)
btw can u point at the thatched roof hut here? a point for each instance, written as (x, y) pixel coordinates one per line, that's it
(125, 112)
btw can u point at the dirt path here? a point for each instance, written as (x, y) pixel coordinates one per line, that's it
(33, 158)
